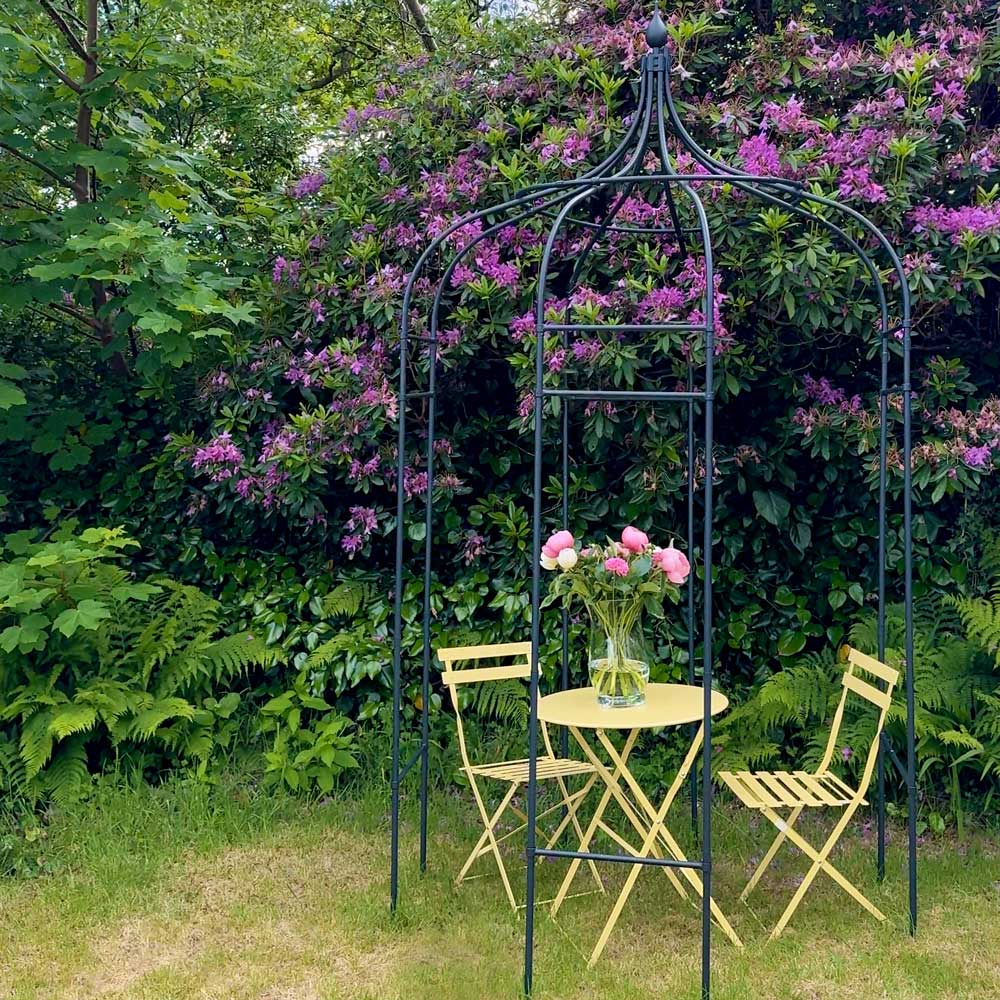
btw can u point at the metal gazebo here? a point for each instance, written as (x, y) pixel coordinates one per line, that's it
(598, 195)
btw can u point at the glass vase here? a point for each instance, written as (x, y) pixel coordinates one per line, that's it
(618, 657)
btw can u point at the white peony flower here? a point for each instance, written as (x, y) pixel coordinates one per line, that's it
(549, 563)
(567, 558)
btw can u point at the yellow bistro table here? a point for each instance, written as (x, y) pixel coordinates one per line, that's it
(665, 705)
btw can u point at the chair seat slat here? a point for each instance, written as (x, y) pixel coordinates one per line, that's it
(840, 784)
(763, 796)
(545, 767)
(802, 793)
(818, 789)
(779, 790)
(739, 790)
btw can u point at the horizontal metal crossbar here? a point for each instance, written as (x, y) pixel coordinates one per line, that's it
(623, 327)
(408, 766)
(628, 859)
(622, 395)
(420, 394)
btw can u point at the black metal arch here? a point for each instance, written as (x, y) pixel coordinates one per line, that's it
(620, 173)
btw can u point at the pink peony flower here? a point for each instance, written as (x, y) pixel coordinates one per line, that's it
(634, 540)
(556, 543)
(674, 563)
(617, 566)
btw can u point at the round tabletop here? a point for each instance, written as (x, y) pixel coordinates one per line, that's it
(665, 705)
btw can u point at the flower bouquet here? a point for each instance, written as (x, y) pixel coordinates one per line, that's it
(616, 582)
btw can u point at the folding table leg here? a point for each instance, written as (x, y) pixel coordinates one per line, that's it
(588, 835)
(612, 782)
(658, 829)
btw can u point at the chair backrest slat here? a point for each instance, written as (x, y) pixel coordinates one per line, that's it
(853, 684)
(868, 691)
(520, 652)
(477, 675)
(498, 649)
(872, 666)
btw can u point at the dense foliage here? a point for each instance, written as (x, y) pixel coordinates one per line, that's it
(201, 344)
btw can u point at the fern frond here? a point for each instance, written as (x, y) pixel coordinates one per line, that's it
(36, 743)
(327, 653)
(504, 701)
(72, 718)
(147, 722)
(346, 599)
(981, 617)
(67, 776)
(13, 781)
(959, 738)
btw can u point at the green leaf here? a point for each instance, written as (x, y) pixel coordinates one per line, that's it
(771, 506)
(791, 643)
(10, 395)
(54, 272)
(784, 596)
(837, 599)
(87, 614)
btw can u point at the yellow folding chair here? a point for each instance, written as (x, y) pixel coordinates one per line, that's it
(512, 772)
(770, 791)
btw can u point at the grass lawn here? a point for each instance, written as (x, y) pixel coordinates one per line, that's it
(187, 892)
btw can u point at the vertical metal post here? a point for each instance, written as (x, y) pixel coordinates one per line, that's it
(708, 653)
(911, 753)
(564, 677)
(882, 529)
(397, 624)
(691, 578)
(536, 547)
(425, 686)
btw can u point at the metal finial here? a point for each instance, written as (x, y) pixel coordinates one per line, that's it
(656, 33)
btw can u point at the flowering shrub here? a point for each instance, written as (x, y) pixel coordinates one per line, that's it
(889, 111)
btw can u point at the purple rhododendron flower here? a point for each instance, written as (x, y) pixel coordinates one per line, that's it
(307, 184)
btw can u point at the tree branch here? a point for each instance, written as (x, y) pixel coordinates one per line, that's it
(44, 59)
(331, 75)
(74, 43)
(31, 161)
(45, 315)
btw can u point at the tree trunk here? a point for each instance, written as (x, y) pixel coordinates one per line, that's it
(83, 180)
(420, 22)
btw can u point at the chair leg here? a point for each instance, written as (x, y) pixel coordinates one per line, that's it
(820, 863)
(570, 814)
(489, 822)
(771, 852)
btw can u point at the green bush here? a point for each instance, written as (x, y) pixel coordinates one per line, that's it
(95, 663)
